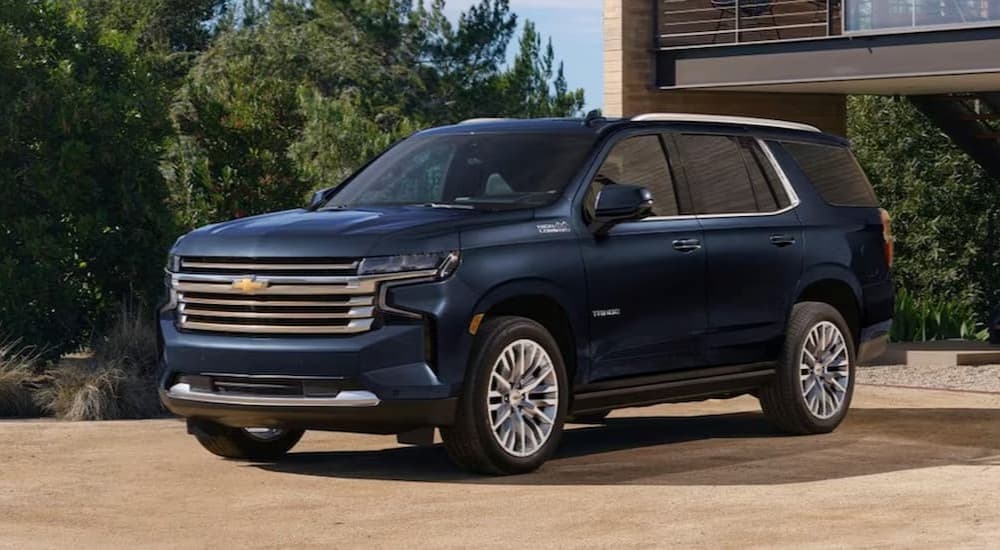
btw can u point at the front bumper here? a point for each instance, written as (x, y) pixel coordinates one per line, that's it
(348, 411)
(387, 383)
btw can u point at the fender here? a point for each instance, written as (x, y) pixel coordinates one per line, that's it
(828, 271)
(531, 286)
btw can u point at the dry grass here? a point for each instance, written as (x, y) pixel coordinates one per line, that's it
(19, 379)
(117, 381)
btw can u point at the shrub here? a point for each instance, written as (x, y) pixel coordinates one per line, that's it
(945, 209)
(18, 380)
(921, 319)
(118, 381)
(83, 221)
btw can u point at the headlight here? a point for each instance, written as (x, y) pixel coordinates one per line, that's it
(173, 263)
(444, 262)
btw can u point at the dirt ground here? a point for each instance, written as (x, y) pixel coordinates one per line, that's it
(912, 468)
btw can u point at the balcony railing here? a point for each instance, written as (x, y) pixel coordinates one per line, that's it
(707, 22)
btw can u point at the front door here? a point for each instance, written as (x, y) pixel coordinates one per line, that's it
(645, 278)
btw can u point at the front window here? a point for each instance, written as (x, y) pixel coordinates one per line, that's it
(491, 171)
(638, 160)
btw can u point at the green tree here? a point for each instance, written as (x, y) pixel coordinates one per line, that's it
(158, 25)
(82, 211)
(307, 92)
(945, 209)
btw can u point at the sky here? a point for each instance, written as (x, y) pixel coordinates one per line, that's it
(575, 29)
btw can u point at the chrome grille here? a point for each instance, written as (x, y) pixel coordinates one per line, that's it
(273, 296)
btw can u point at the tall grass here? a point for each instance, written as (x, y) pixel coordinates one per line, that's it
(922, 319)
(117, 381)
(19, 379)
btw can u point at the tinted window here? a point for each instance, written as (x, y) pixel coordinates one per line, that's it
(835, 173)
(767, 188)
(717, 175)
(639, 161)
(488, 170)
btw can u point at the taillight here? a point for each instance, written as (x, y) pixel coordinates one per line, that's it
(887, 236)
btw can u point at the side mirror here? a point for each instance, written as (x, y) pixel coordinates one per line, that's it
(318, 198)
(618, 203)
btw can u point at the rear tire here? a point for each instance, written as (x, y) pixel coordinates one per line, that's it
(511, 412)
(242, 443)
(814, 383)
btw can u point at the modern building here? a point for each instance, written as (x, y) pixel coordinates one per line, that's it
(799, 59)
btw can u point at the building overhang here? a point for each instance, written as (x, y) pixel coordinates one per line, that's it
(911, 63)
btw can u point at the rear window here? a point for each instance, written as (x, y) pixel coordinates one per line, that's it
(726, 176)
(835, 173)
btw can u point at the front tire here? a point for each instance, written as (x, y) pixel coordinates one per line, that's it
(511, 413)
(814, 383)
(244, 443)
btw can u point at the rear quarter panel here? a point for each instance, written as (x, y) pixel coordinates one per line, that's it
(842, 243)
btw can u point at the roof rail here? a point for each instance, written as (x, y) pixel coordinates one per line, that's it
(721, 119)
(484, 119)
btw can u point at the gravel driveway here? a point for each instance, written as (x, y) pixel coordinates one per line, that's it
(978, 378)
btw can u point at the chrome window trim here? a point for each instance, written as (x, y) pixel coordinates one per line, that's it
(786, 184)
(346, 398)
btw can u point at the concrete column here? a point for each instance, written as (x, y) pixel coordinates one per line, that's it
(630, 79)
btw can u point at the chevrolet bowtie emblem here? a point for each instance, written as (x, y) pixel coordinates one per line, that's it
(249, 286)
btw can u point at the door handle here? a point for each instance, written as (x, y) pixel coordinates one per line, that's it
(687, 245)
(782, 240)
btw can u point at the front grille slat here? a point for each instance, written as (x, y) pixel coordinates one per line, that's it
(361, 287)
(264, 301)
(255, 267)
(357, 313)
(350, 328)
(272, 296)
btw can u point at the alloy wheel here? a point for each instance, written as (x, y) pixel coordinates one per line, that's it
(523, 398)
(824, 369)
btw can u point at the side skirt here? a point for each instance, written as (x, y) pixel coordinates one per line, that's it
(672, 387)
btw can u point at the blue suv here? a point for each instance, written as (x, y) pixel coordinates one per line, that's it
(496, 279)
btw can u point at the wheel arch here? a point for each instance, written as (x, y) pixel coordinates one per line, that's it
(542, 302)
(840, 289)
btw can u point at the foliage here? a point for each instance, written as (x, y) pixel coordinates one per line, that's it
(945, 210)
(18, 379)
(124, 122)
(118, 381)
(931, 318)
(82, 214)
(156, 25)
(308, 92)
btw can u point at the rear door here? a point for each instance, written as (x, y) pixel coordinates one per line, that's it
(753, 241)
(645, 278)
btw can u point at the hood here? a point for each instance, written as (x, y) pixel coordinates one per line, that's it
(348, 233)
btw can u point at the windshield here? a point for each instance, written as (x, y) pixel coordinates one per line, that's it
(470, 171)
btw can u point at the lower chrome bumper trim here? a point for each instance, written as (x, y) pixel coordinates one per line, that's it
(348, 398)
